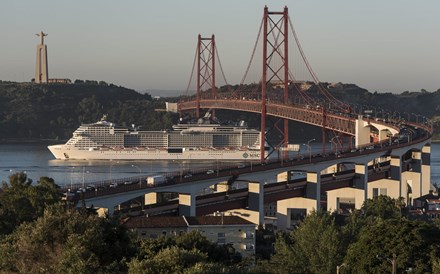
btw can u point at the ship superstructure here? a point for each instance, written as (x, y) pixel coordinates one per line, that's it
(201, 140)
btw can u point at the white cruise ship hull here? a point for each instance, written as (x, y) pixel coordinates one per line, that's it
(69, 152)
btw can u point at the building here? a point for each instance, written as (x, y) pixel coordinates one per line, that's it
(233, 230)
(59, 81)
(171, 107)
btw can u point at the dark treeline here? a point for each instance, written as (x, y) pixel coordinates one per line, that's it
(40, 233)
(54, 111)
(31, 111)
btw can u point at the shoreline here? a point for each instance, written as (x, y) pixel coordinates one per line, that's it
(58, 141)
(30, 140)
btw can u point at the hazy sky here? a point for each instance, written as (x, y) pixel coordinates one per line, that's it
(391, 45)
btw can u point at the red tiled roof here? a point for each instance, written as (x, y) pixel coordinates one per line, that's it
(217, 220)
(155, 222)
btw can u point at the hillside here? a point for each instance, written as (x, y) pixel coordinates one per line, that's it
(31, 111)
(55, 111)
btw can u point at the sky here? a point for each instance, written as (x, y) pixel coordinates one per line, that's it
(384, 46)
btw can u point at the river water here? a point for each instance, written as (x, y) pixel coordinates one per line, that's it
(36, 161)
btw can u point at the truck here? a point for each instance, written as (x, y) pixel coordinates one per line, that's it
(156, 180)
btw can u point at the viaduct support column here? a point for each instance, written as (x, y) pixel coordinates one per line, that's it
(151, 198)
(351, 195)
(414, 176)
(395, 183)
(294, 209)
(256, 201)
(361, 181)
(396, 174)
(187, 204)
(426, 169)
(314, 187)
(362, 132)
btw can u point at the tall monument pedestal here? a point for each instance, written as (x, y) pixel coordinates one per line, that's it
(41, 69)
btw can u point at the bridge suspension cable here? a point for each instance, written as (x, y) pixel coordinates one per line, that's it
(339, 104)
(220, 65)
(253, 53)
(192, 73)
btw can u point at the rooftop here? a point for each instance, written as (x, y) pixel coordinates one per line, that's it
(155, 222)
(217, 220)
(175, 221)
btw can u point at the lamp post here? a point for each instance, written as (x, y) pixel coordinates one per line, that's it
(84, 177)
(334, 143)
(392, 261)
(351, 141)
(309, 148)
(111, 169)
(389, 138)
(140, 181)
(71, 177)
(181, 169)
(338, 267)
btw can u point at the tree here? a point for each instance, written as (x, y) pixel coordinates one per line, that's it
(45, 193)
(64, 240)
(15, 205)
(383, 207)
(413, 243)
(314, 247)
(169, 260)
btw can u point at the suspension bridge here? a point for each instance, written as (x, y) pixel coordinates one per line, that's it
(281, 96)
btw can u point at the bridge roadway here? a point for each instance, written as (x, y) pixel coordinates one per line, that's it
(263, 173)
(339, 122)
(238, 198)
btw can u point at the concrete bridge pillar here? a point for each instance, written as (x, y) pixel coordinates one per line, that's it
(349, 195)
(383, 134)
(362, 132)
(313, 190)
(256, 201)
(291, 211)
(393, 186)
(187, 204)
(395, 168)
(151, 198)
(283, 177)
(255, 210)
(413, 177)
(426, 169)
(396, 175)
(360, 180)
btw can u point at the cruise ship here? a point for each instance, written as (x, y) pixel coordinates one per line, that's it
(203, 139)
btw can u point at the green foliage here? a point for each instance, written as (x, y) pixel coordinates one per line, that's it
(378, 242)
(314, 247)
(21, 201)
(66, 241)
(169, 260)
(382, 207)
(55, 111)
